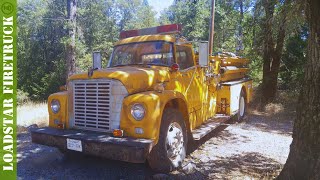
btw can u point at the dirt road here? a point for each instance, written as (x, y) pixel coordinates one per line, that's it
(256, 148)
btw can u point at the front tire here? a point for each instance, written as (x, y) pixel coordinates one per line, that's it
(170, 151)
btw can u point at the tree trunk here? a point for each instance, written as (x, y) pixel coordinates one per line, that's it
(240, 47)
(268, 81)
(271, 53)
(304, 157)
(71, 45)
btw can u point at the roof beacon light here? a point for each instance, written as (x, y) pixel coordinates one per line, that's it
(165, 29)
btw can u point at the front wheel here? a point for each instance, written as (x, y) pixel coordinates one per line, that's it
(170, 151)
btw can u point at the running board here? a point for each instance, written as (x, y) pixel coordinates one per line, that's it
(209, 126)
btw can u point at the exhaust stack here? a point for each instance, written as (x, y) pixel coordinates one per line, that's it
(211, 30)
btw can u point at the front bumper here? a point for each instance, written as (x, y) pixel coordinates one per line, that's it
(96, 143)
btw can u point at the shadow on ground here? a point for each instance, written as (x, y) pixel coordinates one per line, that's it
(280, 123)
(42, 162)
(253, 165)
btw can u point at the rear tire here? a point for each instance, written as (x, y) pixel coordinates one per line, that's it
(170, 151)
(242, 106)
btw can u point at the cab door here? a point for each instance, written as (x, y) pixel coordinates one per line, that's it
(203, 95)
(190, 79)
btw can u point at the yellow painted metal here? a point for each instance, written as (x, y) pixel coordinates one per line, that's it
(235, 67)
(154, 104)
(234, 74)
(62, 115)
(136, 79)
(190, 90)
(233, 61)
(145, 38)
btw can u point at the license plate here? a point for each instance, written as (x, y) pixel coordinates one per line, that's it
(74, 144)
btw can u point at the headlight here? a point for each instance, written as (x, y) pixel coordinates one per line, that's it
(137, 112)
(55, 106)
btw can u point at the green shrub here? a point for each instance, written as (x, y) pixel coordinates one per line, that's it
(22, 97)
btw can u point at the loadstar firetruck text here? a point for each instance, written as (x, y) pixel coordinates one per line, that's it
(7, 90)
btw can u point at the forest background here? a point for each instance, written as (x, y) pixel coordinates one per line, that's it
(272, 34)
(280, 37)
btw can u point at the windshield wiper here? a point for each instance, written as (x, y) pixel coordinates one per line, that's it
(155, 64)
(137, 64)
(117, 65)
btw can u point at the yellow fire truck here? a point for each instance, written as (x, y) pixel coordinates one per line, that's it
(156, 95)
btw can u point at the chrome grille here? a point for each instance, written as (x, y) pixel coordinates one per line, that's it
(92, 105)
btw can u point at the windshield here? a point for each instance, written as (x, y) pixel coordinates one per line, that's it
(146, 53)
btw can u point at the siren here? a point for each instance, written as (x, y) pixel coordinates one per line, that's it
(165, 29)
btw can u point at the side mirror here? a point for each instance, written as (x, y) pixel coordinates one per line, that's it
(96, 56)
(63, 88)
(203, 54)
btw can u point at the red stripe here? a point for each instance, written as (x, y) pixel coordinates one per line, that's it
(169, 28)
(154, 30)
(126, 34)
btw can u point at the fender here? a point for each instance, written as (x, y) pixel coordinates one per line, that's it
(62, 115)
(154, 104)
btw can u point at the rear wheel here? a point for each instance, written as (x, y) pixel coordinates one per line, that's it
(170, 151)
(242, 106)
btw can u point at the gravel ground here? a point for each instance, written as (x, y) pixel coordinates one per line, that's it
(254, 149)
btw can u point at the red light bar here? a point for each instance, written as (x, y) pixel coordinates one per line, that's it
(165, 29)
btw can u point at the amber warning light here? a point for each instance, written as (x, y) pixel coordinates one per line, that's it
(165, 29)
(117, 133)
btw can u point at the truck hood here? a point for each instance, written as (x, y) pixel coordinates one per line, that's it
(135, 79)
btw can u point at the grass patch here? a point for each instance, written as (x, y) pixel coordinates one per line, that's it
(32, 113)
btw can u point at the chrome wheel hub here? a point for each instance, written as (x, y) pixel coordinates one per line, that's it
(174, 142)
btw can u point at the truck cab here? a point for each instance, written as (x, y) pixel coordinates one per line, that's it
(155, 96)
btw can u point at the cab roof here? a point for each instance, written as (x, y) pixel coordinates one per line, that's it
(146, 38)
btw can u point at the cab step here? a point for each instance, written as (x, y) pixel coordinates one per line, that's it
(209, 126)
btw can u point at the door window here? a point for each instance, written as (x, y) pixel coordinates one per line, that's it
(184, 57)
